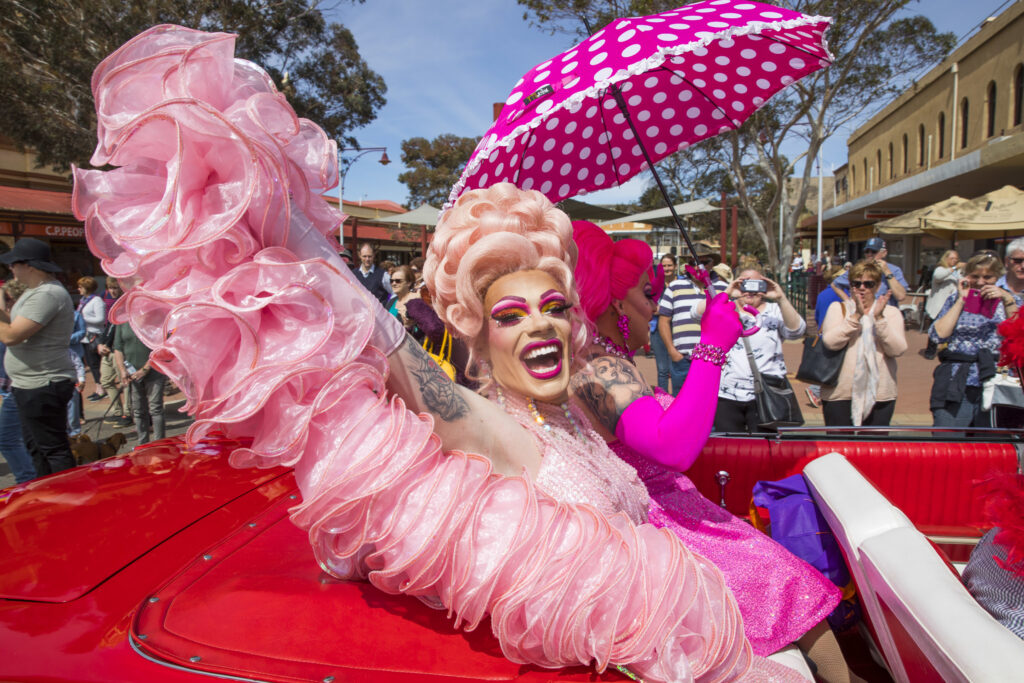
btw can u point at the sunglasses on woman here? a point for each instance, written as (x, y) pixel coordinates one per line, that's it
(865, 284)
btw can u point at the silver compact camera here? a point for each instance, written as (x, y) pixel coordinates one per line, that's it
(754, 286)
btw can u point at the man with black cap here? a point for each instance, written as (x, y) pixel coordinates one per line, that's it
(36, 331)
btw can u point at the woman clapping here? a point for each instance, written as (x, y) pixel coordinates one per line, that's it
(872, 333)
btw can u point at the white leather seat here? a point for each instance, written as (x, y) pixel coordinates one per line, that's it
(940, 632)
(856, 511)
(792, 657)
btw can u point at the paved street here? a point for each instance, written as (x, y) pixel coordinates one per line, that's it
(98, 430)
(915, 382)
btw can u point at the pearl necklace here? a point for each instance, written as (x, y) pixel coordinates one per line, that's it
(612, 348)
(535, 413)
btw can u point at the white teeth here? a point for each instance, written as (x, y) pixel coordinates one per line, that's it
(541, 350)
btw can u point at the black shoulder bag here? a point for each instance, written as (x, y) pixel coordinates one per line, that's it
(776, 403)
(819, 364)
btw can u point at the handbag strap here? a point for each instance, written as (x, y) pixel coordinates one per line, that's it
(842, 306)
(758, 383)
(446, 342)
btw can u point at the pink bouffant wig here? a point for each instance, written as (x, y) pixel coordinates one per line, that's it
(491, 233)
(607, 270)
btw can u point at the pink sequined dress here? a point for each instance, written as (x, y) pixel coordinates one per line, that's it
(780, 596)
(213, 211)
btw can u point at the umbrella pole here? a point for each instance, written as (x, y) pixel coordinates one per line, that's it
(619, 100)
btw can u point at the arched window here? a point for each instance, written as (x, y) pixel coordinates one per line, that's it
(878, 166)
(990, 96)
(853, 178)
(906, 154)
(1018, 95)
(864, 180)
(942, 135)
(890, 162)
(965, 112)
(920, 145)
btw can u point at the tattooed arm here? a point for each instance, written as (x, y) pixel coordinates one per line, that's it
(464, 420)
(622, 406)
(608, 388)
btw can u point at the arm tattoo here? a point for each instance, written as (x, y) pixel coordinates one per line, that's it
(609, 388)
(440, 394)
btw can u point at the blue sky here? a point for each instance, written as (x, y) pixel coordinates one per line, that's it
(446, 61)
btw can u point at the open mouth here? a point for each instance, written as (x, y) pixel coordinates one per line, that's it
(542, 359)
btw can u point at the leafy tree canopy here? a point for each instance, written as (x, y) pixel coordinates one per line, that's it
(50, 48)
(879, 46)
(434, 166)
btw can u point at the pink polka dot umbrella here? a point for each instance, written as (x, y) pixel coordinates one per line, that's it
(640, 89)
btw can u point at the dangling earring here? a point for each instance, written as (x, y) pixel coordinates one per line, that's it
(485, 369)
(623, 325)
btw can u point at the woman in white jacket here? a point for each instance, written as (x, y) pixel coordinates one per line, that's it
(94, 312)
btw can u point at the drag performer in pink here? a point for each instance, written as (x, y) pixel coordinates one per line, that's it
(213, 211)
(780, 596)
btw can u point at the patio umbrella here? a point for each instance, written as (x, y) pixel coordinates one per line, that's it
(640, 89)
(910, 223)
(995, 214)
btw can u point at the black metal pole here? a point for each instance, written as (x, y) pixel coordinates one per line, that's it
(617, 94)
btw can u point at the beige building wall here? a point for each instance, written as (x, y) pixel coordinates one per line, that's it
(20, 169)
(925, 126)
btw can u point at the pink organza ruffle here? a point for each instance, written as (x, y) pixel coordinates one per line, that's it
(214, 212)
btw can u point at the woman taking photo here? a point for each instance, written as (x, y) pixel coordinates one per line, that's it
(776, 320)
(872, 334)
(944, 280)
(967, 324)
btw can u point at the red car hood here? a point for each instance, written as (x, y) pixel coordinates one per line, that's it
(58, 542)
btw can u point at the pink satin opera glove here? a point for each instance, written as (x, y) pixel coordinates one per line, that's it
(675, 437)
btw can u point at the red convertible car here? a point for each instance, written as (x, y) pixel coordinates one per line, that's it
(167, 564)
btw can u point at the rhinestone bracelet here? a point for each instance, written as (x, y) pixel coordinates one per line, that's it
(710, 353)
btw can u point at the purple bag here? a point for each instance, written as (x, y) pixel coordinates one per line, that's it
(797, 524)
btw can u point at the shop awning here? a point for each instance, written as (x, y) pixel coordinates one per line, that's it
(25, 200)
(684, 209)
(424, 214)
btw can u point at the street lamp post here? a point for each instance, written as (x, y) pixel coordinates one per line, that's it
(384, 161)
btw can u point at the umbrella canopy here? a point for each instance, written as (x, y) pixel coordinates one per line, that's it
(910, 223)
(997, 213)
(684, 209)
(674, 78)
(424, 214)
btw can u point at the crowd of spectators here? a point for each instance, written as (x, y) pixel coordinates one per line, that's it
(48, 344)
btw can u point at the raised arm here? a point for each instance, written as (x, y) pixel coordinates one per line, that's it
(624, 403)
(464, 420)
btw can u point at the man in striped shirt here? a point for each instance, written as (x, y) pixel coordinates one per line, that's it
(677, 329)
